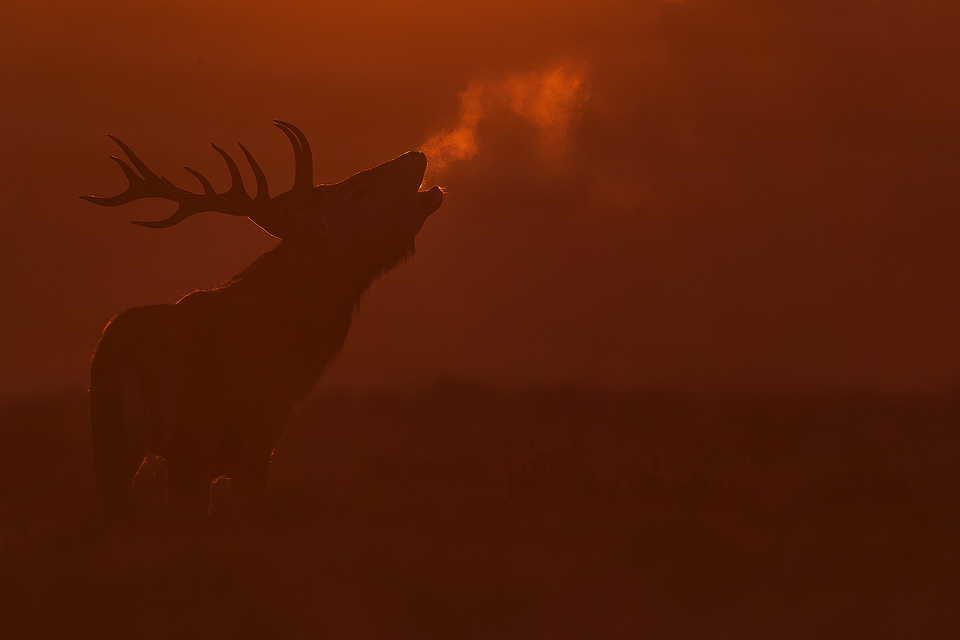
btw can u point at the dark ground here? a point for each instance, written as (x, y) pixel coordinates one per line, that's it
(466, 513)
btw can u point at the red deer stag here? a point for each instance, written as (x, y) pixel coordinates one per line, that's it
(209, 382)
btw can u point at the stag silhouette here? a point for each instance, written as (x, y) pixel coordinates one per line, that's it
(209, 382)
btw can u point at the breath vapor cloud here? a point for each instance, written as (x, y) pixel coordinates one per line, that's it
(547, 100)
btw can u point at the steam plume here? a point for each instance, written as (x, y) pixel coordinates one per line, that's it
(547, 100)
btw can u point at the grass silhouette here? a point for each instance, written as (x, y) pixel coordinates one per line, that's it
(462, 512)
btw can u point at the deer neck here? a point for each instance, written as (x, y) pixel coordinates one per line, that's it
(304, 301)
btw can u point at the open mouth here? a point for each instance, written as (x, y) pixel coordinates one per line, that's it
(430, 200)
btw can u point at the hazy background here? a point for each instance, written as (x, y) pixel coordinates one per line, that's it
(716, 196)
(658, 200)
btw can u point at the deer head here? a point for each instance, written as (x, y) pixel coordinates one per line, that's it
(376, 204)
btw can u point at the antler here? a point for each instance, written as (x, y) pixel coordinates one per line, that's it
(234, 201)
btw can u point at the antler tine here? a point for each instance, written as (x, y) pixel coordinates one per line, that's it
(178, 216)
(235, 201)
(291, 136)
(236, 190)
(208, 189)
(132, 176)
(263, 194)
(146, 184)
(303, 177)
(137, 162)
(127, 196)
(297, 151)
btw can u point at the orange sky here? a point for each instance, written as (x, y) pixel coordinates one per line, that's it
(754, 195)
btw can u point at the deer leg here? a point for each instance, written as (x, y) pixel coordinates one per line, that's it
(250, 479)
(119, 418)
(189, 487)
(115, 471)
